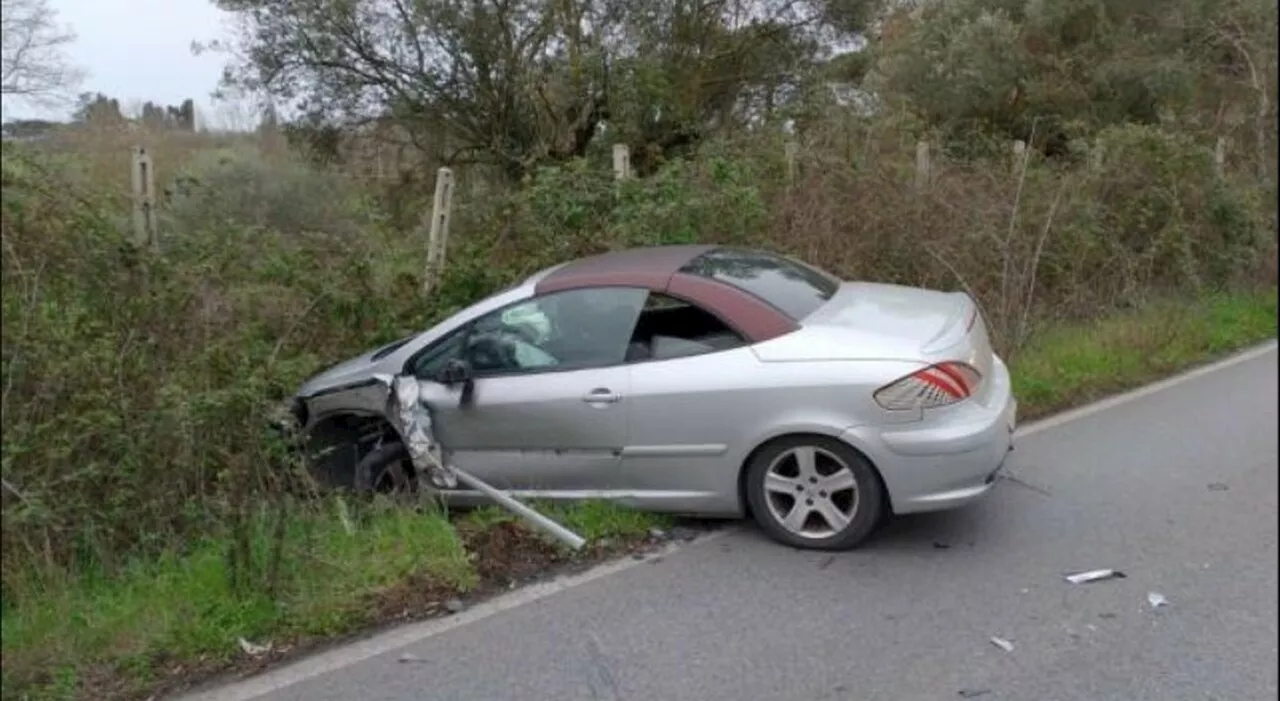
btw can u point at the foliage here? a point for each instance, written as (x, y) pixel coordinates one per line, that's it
(1062, 70)
(518, 84)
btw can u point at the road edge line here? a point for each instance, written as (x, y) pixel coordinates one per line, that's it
(1144, 391)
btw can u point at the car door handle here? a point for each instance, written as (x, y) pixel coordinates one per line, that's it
(601, 396)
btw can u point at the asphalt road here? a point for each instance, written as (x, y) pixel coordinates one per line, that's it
(738, 618)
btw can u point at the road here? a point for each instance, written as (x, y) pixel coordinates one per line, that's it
(738, 618)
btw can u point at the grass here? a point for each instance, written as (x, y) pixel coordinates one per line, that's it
(1073, 365)
(120, 636)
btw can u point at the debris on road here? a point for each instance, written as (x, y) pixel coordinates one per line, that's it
(1218, 487)
(1002, 644)
(940, 546)
(972, 693)
(408, 658)
(253, 650)
(657, 533)
(454, 606)
(1094, 576)
(1156, 599)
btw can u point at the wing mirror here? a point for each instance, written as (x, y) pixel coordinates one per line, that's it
(455, 372)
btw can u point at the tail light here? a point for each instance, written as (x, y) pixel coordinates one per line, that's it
(935, 386)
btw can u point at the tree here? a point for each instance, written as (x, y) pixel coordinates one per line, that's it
(34, 66)
(1064, 69)
(516, 83)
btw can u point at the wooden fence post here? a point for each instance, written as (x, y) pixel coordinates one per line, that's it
(438, 241)
(922, 165)
(1019, 154)
(621, 162)
(144, 211)
(791, 151)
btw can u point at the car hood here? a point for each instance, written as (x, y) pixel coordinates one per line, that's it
(357, 370)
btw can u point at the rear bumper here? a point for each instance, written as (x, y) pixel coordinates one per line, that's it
(948, 459)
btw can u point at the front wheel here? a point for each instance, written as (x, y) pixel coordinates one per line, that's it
(385, 469)
(814, 492)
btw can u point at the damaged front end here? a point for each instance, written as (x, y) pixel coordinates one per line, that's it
(412, 432)
(411, 418)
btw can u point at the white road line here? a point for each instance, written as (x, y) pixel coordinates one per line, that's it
(1144, 391)
(347, 655)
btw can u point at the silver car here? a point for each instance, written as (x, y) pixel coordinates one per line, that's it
(698, 380)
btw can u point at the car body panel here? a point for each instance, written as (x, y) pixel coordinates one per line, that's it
(535, 431)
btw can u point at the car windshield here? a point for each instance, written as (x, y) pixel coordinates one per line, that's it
(793, 287)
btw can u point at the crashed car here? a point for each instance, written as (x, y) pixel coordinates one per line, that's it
(698, 380)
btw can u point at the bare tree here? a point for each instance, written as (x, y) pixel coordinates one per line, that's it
(33, 62)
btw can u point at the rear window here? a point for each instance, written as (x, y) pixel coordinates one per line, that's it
(789, 285)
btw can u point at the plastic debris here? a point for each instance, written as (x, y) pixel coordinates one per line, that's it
(938, 545)
(409, 658)
(253, 650)
(1156, 599)
(1218, 487)
(454, 606)
(1094, 576)
(972, 693)
(1002, 644)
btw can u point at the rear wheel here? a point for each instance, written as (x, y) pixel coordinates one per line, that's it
(814, 492)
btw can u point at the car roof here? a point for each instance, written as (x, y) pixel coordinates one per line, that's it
(658, 268)
(650, 267)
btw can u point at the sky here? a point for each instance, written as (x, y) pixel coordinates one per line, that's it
(140, 50)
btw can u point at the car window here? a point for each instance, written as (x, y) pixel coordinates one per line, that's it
(428, 364)
(672, 328)
(793, 287)
(566, 330)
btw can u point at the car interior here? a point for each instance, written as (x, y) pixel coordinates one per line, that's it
(668, 328)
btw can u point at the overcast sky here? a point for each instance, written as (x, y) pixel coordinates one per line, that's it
(139, 50)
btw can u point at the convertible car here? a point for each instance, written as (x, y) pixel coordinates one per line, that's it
(697, 380)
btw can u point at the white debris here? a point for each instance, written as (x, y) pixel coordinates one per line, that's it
(253, 650)
(1094, 576)
(1156, 599)
(409, 658)
(1002, 644)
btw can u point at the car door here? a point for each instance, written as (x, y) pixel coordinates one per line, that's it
(689, 407)
(546, 410)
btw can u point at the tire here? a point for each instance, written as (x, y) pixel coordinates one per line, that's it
(785, 491)
(385, 469)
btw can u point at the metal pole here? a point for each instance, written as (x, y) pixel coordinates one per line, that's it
(561, 533)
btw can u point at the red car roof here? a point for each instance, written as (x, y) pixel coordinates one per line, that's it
(633, 267)
(657, 268)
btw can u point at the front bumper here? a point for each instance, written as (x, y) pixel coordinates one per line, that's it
(949, 458)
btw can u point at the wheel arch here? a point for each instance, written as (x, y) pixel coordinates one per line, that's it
(339, 440)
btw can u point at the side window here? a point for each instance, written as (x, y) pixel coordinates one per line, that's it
(671, 328)
(428, 365)
(563, 331)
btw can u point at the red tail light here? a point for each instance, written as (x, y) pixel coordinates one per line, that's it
(935, 386)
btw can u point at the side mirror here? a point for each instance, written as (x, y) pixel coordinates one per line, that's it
(454, 372)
